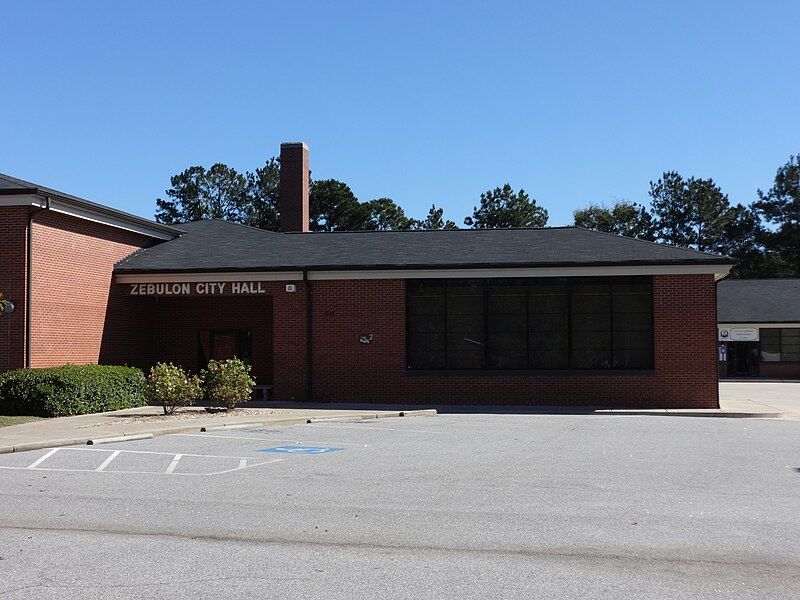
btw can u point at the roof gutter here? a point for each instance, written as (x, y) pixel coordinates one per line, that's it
(29, 280)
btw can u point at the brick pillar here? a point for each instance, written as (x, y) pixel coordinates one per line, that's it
(294, 187)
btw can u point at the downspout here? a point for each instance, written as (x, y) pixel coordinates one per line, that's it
(29, 281)
(309, 339)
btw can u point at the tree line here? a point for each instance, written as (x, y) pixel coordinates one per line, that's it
(764, 236)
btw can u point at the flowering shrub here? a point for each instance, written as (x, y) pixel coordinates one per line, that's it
(171, 387)
(227, 382)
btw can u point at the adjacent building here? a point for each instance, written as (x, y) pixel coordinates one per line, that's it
(759, 328)
(560, 315)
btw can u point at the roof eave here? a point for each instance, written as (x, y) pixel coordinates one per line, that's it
(724, 265)
(92, 211)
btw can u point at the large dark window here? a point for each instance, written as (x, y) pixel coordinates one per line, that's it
(780, 345)
(547, 323)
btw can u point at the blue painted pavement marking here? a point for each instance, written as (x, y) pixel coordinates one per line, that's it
(299, 450)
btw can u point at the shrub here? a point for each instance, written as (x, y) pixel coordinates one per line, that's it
(169, 386)
(227, 383)
(71, 390)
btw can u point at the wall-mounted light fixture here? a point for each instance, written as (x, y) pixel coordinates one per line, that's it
(6, 306)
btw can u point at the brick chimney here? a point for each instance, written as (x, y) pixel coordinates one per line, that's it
(294, 187)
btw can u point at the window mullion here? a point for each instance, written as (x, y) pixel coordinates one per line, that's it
(446, 325)
(485, 323)
(528, 323)
(569, 324)
(611, 323)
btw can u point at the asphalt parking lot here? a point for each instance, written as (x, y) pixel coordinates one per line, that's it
(451, 506)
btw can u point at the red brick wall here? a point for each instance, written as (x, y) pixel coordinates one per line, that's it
(73, 261)
(347, 370)
(13, 241)
(779, 371)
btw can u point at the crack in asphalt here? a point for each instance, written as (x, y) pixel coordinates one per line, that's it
(587, 555)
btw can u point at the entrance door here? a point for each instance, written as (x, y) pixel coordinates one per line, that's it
(224, 345)
(743, 359)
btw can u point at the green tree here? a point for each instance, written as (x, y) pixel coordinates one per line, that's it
(385, 214)
(780, 206)
(692, 213)
(254, 199)
(624, 218)
(743, 240)
(334, 207)
(260, 207)
(435, 220)
(197, 193)
(501, 208)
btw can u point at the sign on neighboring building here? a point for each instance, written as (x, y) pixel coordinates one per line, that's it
(738, 334)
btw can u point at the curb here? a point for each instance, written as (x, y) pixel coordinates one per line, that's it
(27, 446)
(679, 413)
(120, 438)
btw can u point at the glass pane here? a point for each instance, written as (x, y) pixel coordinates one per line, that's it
(770, 345)
(591, 324)
(426, 324)
(508, 323)
(548, 324)
(790, 345)
(465, 324)
(632, 321)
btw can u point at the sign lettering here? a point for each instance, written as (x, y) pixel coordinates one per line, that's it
(201, 288)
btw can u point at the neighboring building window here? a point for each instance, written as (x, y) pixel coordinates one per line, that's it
(546, 323)
(780, 345)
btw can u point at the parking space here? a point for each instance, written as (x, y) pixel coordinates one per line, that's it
(644, 506)
(143, 462)
(213, 453)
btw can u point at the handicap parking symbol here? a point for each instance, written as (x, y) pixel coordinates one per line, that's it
(299, 450)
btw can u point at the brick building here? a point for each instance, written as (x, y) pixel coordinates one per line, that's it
(522, 316)
(759, 328)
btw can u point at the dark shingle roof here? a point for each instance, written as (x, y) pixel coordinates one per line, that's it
(758, 301)
(221, 246)
(12, 186)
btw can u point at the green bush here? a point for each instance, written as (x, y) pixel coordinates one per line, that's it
(169, 386)
(71, 390)
(227, 383)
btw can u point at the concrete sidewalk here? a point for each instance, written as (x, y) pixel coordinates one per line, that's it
(149, 421)
(780, 396)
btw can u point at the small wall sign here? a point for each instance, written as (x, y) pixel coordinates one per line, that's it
(738, 334)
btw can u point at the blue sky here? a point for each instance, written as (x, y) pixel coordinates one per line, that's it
(422, 102)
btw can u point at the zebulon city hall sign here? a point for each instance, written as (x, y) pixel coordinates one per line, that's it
(201, 288)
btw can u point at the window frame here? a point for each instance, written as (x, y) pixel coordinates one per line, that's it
(486, 285)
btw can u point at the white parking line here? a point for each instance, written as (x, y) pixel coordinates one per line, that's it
(326, 426)
(107, 461)
(174, 464)
(265, 439)
(148, 452)
(41, 459)
(243, 462)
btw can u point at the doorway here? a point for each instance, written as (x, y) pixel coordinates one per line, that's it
(743, 359)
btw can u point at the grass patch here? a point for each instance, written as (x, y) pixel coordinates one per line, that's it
(6, 421)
